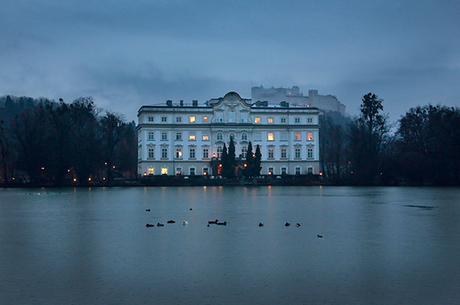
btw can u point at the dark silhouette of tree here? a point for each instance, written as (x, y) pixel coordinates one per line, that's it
(6, 153)
(248, 171)
(126, 158)
(257, 162)
(367, 137)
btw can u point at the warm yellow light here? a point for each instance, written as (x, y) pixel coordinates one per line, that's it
(270, 136)
(74, 179)
(205, 138)
(213, 155)
(43, 168)
(245, 165)
(103, 178)
(205, 119)
(191, 137)
(89, 179)
(220, 165)
(257, 120)
(145, 174)
(320, 174)
(192, 119)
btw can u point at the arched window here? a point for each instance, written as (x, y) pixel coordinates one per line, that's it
(219, 136)
(232, 136)
(244, 136)
(219, 152)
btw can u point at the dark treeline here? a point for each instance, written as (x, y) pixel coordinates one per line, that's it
(43, 142)
(422, 148)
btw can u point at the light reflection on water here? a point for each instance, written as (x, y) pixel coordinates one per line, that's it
(90, 246)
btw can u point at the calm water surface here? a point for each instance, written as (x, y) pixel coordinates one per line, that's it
(91, 246)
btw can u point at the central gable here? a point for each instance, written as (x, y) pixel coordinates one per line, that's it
(230, 109)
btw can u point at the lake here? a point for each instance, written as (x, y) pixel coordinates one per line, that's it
(379, 245)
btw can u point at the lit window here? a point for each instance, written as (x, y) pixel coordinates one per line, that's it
(205, 153)
(164, 119)
(192, 119)
(164, 170)
(297, 120)
(283, 153)
(151, 153)
(178, 136)
(257, 120)
(178, 153)
(179, 171)
(164, 153)
(297, 153)
(297, 137)
(270, 120)
(283, 120)
(205, 137)
(270, 136)
(151, 135)
(244, 136)
(192, 153)
(310, 136)
(205, 119)
(150, 170)
(219, 136)
(191, 136)
(150, 118)
(270, 153)
(164, 136)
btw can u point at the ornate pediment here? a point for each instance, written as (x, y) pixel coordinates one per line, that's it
(228, 109)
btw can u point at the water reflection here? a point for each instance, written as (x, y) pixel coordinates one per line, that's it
(91, 246)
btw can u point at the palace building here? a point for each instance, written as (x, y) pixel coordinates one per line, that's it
(186, 139)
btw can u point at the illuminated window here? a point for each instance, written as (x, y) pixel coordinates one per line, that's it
(283, 120)
(310, 136)
(178, 153)
(244, 136)
(151, 135)
(164, 153)
(283, 153)
(270, 136)
(297, 120)
(191, 136)
(297, 153)
(219, 151)
(310, 153)
(178, 136)
(179, 171)
(164, 119)
(192, 153)
(164, 170)
(164, 136)
(205, 136)
(178, 119)
(270, 153)
(151, 171)
(205, 153)
(219, 136)
(270, 120)
(191, 119)
(297, 137)
(205, 119)
(151, 153)
(257, 120)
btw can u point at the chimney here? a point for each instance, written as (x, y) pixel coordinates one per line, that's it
(181, 103)
(169, 103)
(195, 103)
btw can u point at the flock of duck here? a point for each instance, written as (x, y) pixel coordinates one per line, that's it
(212, 222)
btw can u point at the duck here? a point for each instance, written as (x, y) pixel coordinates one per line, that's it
(319, 236)
(147, 210)
(261, 224)
(297, 224)
(287, 224)
(160, 225)
(213, 221)
(222, 223)
(149, 225)
(185, 222)
(171, 221)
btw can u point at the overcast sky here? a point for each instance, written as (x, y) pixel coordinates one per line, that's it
(126, 54)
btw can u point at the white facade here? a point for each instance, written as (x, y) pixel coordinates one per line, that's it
(178, 139)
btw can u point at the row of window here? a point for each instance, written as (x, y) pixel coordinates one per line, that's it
(192, 171)
(219, 136)
(205, 153)
(231, 119)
